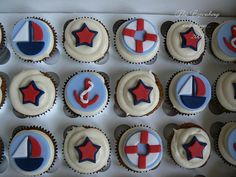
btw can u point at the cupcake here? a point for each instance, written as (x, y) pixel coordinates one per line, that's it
(32, 93)
(137, 40)
(2, 36)
(223, 41)
(33, 39)
(32, 151)
(188, 92)
(225, 91)
(86, 149)
(86, 93)
(185, 41)
(86, 39)
(3, 88)
(190, 146)
(138, 93)
(226, 143)
(140, 149)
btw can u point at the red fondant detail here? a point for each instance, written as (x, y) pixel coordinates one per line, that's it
(139, 46)
(150, 37)
(196, 150)
(235, 146)
(88, 151)
(233, 29)
(201, 88)
(131, 149)
(37, 32)
(35, 147)
(154, 148)
(128, 32)
(85, 36)
(30, 94)
(77, 96)
(144, 137)
(141, 92)
(140, 24)
(191, 39)
(229, 45)
(142, 161)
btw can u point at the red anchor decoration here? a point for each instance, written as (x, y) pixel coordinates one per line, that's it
(232, 43)
(83, 98)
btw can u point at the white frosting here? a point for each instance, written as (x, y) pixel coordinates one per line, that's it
(215, 47)
(43, 82)
(76, 137)
(225, 91)
(222, 141)
(1, 94)
(173, 99)
(174, 40)
(125, 99)
(86, 53)
(184, 136)
(130, 56)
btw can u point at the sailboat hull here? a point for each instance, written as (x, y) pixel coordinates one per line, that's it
(29, 164)
(192, 102)
(30, 48)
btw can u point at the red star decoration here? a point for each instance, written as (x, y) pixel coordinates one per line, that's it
(190, 39)
(194, 149)
(31, 93)
(141, 93)
(87, 151)
(84, 36)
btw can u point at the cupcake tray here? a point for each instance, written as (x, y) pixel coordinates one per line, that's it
(56, 120)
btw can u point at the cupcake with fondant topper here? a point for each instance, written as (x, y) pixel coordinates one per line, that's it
(188, 92)
(223, 40)
(189, 146)
(33, 39)
(138, 93)
(86, 93)
(2, 37)
(32, 150)
(86, 149)
(32, 92)
(86, 39)
(139, 148)
(3, 91)
(184, 41)
(136, 40)
(225, 143)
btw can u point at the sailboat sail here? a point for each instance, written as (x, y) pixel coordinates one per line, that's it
(23, 33)
(187, 89)
(22, 150)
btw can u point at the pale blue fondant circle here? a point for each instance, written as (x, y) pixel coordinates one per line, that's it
(225, 31)
(77, 83)
(231, 140)
(45, 147)
(132, 50)
(183, 79)
(47, 38)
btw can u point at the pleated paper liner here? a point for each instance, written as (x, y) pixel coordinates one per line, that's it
(215, 132)
(53, 51)
(116, 26)
(39, 128)
(3, 88)
(56, 80)
(214, 105)
(66, 108)
(118, 110)
(164, 30)
(169, 133)
(98, 61)
(209, 31)
(4, 51)
(69, 128)
(119, 131)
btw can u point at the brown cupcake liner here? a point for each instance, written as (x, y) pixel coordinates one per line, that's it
(193, 62)
(116, 25)
(169, 139)
(3, 42)
(4, 91)
(107, 84)
(121, 163)
(215, 101)
(39, 128)
(79, 61)
(1, 150)
(217, 146)
(44, 113)
(159, 85)
(85, 126)
(55, 42)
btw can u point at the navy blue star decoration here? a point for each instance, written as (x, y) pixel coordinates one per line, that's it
(141, 93)
(84, 36)
(87, 151)
(190, 39)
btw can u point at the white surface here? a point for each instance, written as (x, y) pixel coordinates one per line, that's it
(57, 121)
